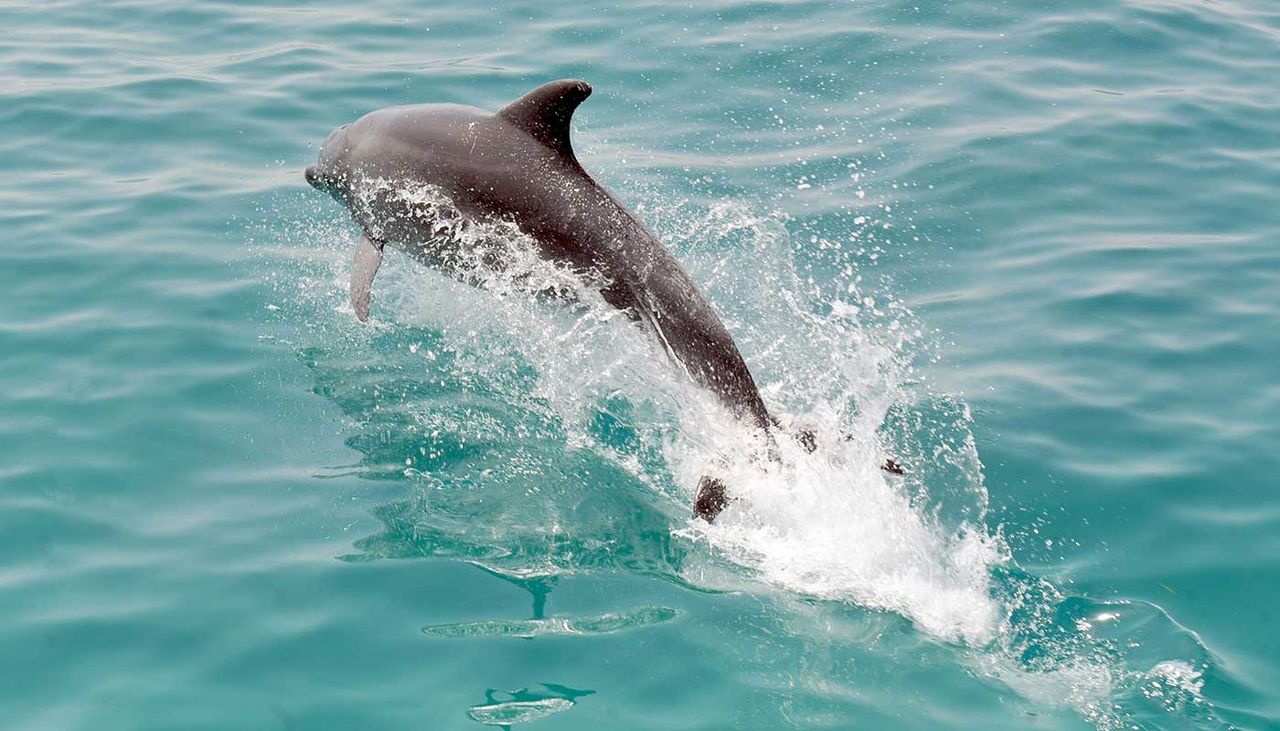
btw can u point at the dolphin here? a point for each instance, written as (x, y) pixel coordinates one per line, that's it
(517, 165)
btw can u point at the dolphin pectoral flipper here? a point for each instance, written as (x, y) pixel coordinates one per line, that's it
(368, 259)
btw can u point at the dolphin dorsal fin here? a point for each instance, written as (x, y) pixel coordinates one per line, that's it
(545, 112)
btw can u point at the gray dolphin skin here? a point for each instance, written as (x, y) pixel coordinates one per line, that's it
(517, 165)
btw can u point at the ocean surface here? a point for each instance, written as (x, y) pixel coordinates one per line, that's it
(1029, 250)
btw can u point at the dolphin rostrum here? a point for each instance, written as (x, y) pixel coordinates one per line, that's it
(516, 165)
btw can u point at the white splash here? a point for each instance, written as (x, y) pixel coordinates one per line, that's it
(833, 357)
(830, 525)
(1175, 684)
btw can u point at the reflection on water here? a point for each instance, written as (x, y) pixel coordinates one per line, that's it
(495, 479)
(524, 705)
(528, 629)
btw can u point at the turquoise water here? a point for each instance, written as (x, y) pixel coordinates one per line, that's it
(1029, 249)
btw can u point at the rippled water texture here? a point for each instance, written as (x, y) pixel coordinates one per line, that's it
(1027, 249)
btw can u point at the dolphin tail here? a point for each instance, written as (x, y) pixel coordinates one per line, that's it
(713, 493)
(368, 259)
(713, 496)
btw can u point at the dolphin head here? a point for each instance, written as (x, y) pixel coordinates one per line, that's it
(483, 162)
(329, 173)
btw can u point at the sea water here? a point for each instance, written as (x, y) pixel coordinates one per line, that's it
(1027, 250)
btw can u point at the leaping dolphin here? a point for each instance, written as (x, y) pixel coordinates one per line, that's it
(517, 165)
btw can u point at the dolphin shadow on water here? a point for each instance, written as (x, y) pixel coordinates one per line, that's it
(517, 166)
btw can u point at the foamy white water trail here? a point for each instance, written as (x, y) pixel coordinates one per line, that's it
(834, 527)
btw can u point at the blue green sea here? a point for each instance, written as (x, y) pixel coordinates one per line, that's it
(1029, 250)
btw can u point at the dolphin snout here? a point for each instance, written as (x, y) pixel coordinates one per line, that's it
(331, 184)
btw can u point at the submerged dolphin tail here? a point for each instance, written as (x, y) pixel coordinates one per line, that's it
(713, 496)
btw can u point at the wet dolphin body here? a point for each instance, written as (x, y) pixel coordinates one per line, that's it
(517, 165)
